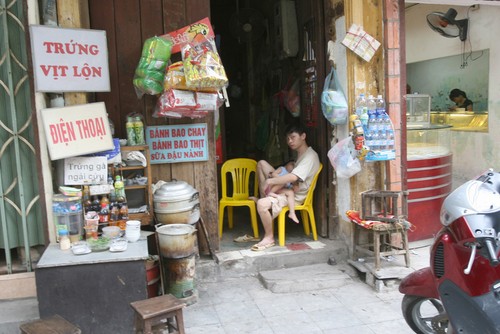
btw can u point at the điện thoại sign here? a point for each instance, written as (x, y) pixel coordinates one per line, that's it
(77, 130)
(177, 143)
(69, 60)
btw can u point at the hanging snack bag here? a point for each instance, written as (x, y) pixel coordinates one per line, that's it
(174, 77)
(207, 101)
(203, 67)
(150, 70)
(174, 102)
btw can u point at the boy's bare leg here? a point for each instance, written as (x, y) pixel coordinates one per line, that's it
(290, 196)
(263, 170)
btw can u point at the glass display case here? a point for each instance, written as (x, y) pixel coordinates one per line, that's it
(427, 142)
(462, 121)
(418, 108)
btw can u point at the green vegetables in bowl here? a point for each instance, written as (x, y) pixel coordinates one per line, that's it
(99, 245)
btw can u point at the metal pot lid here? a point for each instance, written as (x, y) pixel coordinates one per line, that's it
(174, 191)
(175, 229)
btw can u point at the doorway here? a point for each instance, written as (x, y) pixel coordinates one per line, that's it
(258, 78)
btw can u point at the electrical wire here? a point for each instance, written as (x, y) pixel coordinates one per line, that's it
(468, 57)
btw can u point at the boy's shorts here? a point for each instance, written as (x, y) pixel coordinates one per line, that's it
(278, 203)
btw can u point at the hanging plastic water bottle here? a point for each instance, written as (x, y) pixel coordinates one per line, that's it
(360, 104)
(380, 105)
(383, 139)
(390, 139)
(372, 129)
(375, 138)
(371, 104)
(364, 119)
(386, 122)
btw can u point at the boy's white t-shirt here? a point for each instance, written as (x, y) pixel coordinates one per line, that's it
(305, 169)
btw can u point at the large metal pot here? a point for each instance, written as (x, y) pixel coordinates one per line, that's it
(190, 216)
(175, 196)
(176, 240)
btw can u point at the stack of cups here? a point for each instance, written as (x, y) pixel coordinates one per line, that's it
(133, 230)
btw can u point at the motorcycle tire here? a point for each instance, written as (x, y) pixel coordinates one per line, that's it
(419, 313)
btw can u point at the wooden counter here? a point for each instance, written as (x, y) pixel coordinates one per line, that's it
(93, 291)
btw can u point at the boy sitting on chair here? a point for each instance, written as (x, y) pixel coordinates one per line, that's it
(306, 166)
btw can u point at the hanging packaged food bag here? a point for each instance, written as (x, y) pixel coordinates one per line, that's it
(150, 71)
(333, 101)
(203, 67)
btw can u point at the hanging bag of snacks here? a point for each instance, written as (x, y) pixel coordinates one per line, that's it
(203, 67)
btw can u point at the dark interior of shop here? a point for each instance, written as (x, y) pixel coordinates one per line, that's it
(253, 124)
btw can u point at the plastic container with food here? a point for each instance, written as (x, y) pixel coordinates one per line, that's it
(100, 244)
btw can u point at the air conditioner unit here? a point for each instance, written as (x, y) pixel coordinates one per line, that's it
(286, 34)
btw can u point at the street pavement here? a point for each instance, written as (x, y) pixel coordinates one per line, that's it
(290, 289)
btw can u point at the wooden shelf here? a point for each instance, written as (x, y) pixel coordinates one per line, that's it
(146, 218)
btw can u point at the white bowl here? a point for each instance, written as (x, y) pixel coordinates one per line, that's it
(132, 237)
(111, 231)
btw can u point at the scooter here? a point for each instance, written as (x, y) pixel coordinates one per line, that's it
(460, 291)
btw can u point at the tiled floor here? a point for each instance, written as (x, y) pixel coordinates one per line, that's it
(244, 305)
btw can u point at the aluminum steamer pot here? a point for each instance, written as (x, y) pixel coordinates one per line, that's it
(190, 216)
(176, 240)
(175, 196)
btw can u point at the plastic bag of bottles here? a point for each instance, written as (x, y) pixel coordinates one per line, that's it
(333, 101)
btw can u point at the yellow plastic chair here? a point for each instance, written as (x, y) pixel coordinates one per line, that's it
(242, 171)
(306, 210)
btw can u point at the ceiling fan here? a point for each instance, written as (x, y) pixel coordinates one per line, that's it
(446, 25)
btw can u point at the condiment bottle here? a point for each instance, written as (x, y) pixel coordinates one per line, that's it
(103, 216)
(87, 203)
(64, 242)
(113, 208)
(105, 201)
(119, 190)
(122, 222)
(96, 204)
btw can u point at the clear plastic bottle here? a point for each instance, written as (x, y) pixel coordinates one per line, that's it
(119, 190)
(139, 131)
(368, 138)
(380, 105)
(131, 141)
(375, 141)
(371, 105)
(64, 242)
(372, 129)
(390, 139)
(360, 104)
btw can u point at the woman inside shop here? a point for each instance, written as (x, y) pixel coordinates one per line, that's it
(461, 101)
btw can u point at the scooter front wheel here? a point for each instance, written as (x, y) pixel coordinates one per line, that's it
(425, 315)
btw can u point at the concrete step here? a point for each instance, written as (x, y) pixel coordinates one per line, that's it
(245, 262)
(304, 278)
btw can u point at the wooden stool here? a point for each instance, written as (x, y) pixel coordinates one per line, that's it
(51, 325)
(154, 311)
(384, 230)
